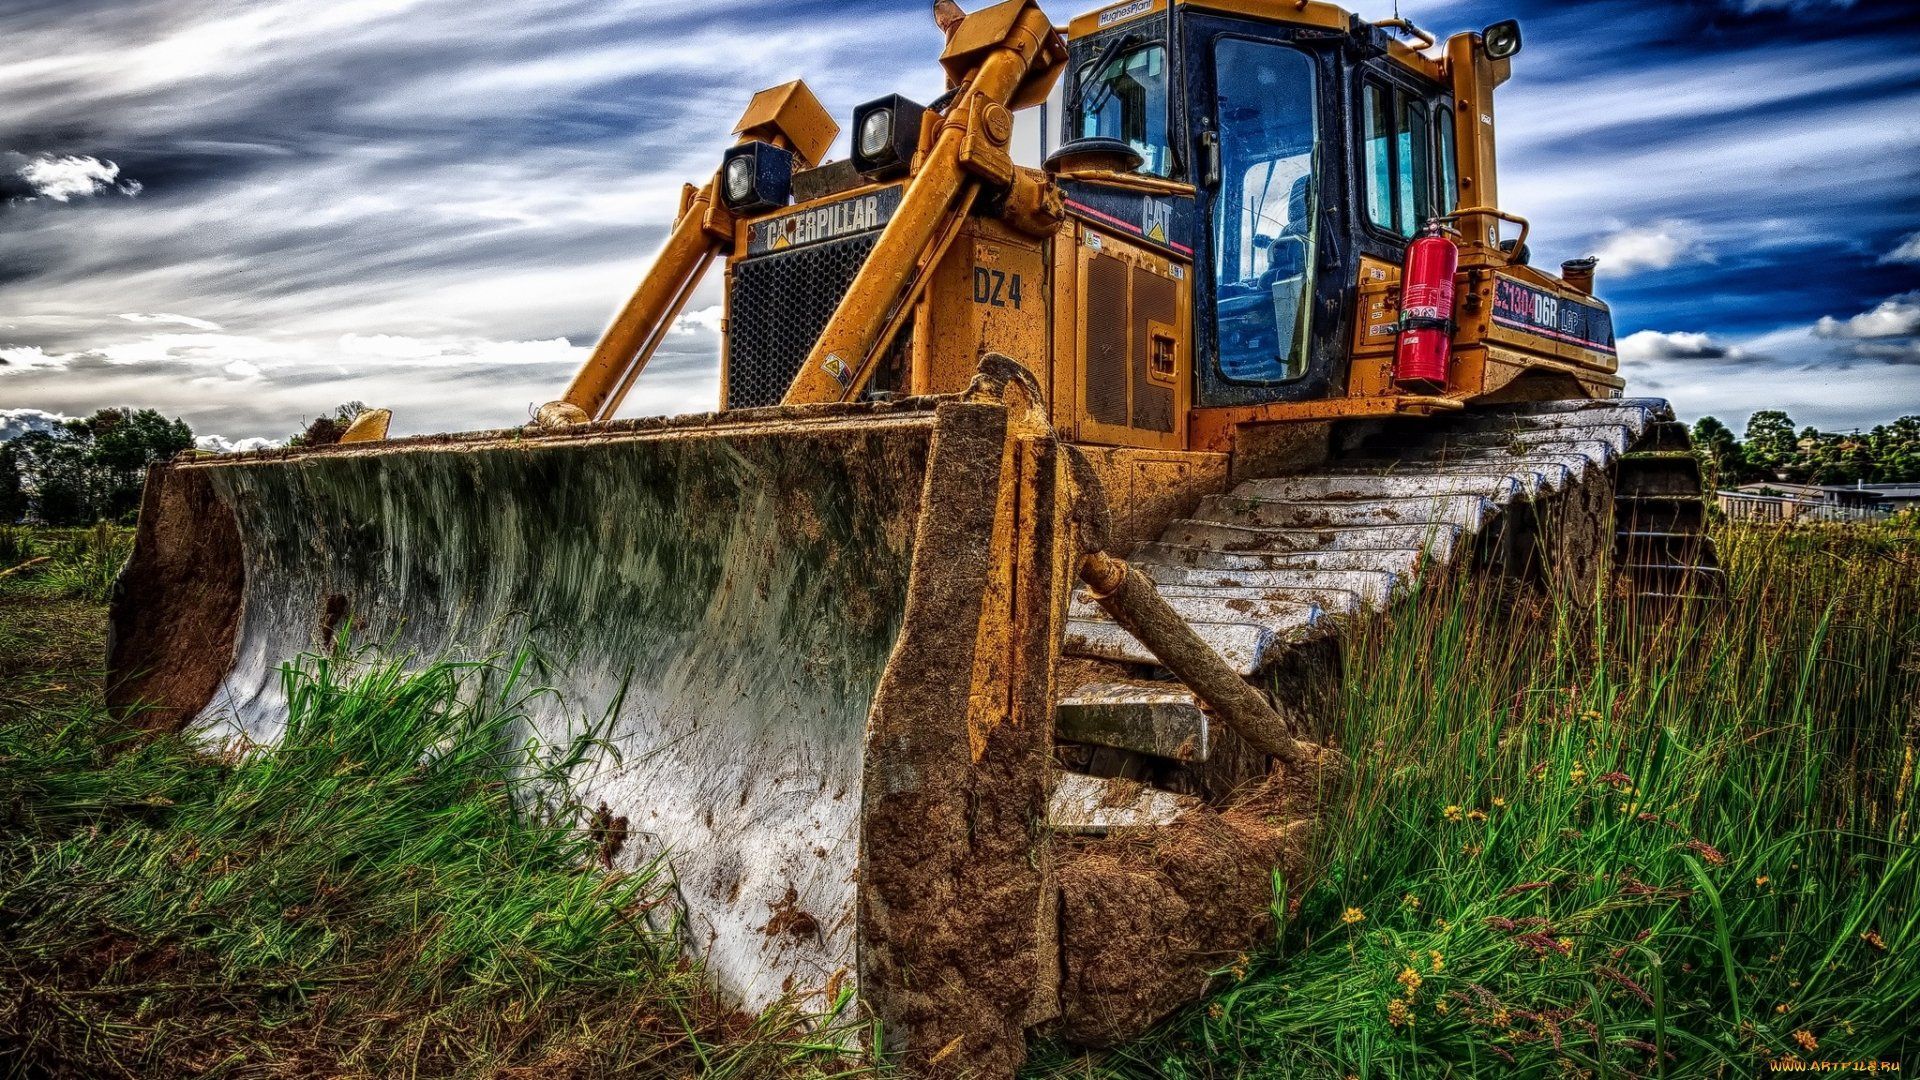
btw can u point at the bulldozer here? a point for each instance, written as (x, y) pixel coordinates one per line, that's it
(970, 664)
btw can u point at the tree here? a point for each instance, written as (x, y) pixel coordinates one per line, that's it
(1721, 462)
(1770, 446)
(13, 486)
(92, 469)
(327, 430)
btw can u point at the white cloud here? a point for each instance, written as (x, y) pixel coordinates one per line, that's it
(60, 177)
(1896, 316)
(168, 319)
(220, 444)
(17, 422)
(17, 358)
(1652, 247)
(1654, 345)
(1907, 252)
(705, 320)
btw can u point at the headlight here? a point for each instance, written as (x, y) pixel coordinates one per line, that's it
(1502, 39)
(886, 133)
(876, 133)
(739, 179)
(756, 176)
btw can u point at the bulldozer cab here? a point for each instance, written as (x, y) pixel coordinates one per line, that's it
(1306, 147)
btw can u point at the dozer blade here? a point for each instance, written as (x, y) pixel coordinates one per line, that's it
(825, 636)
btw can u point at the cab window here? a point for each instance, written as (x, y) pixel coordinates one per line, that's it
(1265, 227)
(1409, 158)
(1127, 100)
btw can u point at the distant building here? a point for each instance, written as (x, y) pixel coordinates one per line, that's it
(1898, 496)
(1782, 502)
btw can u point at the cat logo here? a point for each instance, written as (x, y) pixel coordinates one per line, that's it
(1156, 217)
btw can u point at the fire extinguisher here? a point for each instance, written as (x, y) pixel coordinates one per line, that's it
(1426, 311)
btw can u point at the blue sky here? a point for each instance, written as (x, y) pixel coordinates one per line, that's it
(244, 213)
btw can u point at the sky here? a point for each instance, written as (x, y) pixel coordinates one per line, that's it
(245, 212)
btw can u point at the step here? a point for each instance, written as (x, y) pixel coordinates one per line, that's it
(1535, 475)
(1577, 454)
(1366, 589)
(1437, 540)
(1397, 561)
(1243, 646)
(1161, 720)
(1497, 485)
(1468, 512)
(1096, 806)
(1267, 607)
(1344, 594)
(1520, 441)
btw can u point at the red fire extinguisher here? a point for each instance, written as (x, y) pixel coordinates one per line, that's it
(1426, 311)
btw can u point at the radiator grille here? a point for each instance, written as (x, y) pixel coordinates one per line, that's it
(1106, 338)
(778, 306)
(1157, 299)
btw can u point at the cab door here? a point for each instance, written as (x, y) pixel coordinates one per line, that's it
(1267, 315)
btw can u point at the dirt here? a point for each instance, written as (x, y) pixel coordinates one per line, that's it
(171, 638)
(1145, 918)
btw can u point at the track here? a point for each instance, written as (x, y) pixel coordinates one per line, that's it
(1282, 562)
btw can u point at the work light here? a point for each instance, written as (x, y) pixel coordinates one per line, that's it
(1502, 39)
(885, 134)
(756, 176)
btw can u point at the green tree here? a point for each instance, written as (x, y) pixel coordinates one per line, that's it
(1770, 447)
(13, 485)
(124, 442)
(1721, 462)
(327, 430)
(93, 469)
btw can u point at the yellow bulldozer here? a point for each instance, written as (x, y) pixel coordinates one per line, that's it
(969, 664)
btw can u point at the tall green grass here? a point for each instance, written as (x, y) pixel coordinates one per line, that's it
(402, 886)
(63, 564)
(1587, 842)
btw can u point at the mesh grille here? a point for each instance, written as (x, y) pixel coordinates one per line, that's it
(1105, 332)
(778, 307)
(1154, 298)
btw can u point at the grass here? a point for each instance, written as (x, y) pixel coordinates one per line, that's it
(1576, 844)
(54, 584)
(401, 887)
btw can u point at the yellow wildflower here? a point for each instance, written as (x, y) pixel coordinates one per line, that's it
(1566, 943)
(1471, 851)
(1874, 939)
(1451, 813)
(1239, 968)
(1441, 1007)
(1215, 1011)
(1501, 1017)
(1591, 715)
(1578, 775)
(1806, 1040)
(1476, 815)
(1439, 962)
(1399, 1014)
(1761, 881)
(1443, 924)
(1499, 803)
(1410, 979)
(1353, 916)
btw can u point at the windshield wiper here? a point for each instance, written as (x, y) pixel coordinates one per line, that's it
(1092, 72)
